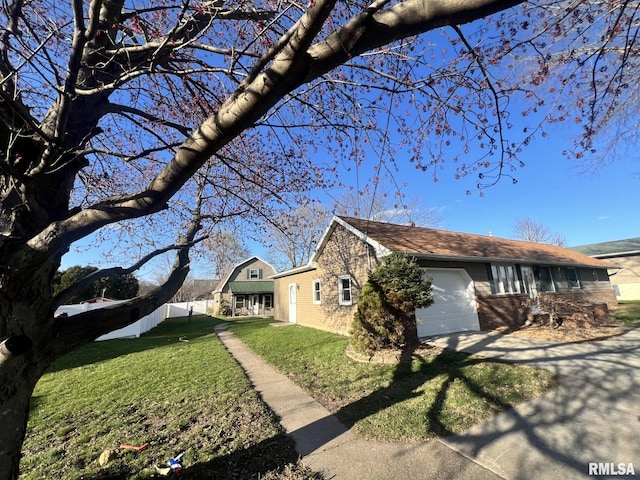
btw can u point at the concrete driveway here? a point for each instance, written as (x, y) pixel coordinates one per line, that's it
(593, 417)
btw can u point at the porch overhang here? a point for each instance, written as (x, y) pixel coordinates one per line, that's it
(251, 287)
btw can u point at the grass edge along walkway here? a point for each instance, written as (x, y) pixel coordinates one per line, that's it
(175, 388)
(327, 446)
(437, 395)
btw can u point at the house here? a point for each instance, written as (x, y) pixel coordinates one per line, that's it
(202, 288)
(246, 289)
(479, 282)
(626, 255)
(97, 300)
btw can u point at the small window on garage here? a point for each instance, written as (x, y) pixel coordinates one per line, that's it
(344, 290)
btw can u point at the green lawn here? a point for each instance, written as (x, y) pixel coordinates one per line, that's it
(629, 314)
(442, 394)
(177, 396)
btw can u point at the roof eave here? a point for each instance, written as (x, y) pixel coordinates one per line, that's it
(460, 258)
(616, 254)
(304, 268)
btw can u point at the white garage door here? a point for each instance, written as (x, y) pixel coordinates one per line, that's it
(454, 304)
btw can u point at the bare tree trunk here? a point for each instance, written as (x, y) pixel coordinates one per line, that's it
(17, 380)
(411, 339)
(26, 339)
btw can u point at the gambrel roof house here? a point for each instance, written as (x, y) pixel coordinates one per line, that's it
(626, 255)
(246, 289)
(479, 282)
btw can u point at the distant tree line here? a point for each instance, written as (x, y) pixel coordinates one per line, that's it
(119, 287)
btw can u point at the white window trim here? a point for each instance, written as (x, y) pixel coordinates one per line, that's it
(505, 279)
(341, 299)
(316, 301)
(251, 274)
(242, 300)
(264, 300)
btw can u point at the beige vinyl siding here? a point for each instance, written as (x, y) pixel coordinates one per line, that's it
(241, 273)
(281, 299)
(626, 278)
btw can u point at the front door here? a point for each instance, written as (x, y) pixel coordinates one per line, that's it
(255, 305)
(293, 293)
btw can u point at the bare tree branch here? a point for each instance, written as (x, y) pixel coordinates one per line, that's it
(67, 293)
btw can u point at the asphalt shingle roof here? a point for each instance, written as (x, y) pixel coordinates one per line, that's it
(616, 247)
(445, 244)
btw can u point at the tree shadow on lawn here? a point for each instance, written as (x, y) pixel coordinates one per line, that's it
(407, 380)
(555, 429)
(166, 333)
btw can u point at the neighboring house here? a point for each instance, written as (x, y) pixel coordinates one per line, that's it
(246, 289)
(626, 255)
(98, 300)
(202, 288)
(479, 282)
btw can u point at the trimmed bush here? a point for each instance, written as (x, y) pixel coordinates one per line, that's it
(385, 318)
(224, 310)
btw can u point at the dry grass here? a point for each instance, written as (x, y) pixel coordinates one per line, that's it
(567, 334)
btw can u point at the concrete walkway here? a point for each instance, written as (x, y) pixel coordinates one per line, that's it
(326, 445)
(592, 417)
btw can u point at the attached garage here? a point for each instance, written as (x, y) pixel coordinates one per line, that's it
(454, 304)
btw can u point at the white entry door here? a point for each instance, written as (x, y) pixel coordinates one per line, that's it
(255, 305)
(454, 304)
(293, 294)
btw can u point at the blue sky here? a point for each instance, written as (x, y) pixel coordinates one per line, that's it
(584, 207)
(598, 206)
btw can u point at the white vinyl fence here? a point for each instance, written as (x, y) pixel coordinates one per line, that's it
(168, 310)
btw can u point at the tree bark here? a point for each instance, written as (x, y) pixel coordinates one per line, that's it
(25, 353)
(37, 227)
(18, 381)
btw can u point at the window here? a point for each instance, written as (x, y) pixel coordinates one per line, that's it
(317, 292)
(572, 278)
(239, 301)
(254, 274)
(545, 279)
(505, 279)
(344, 290)
(268, 301)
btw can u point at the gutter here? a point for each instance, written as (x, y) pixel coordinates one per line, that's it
(457, 258)
(617, 254)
